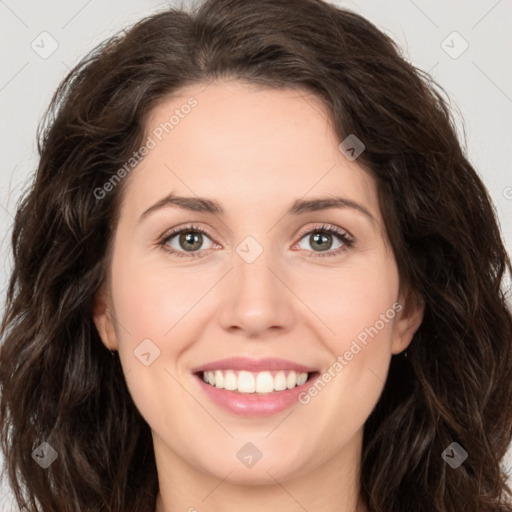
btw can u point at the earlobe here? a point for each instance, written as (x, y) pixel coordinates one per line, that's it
(102, 318)
(408, 321)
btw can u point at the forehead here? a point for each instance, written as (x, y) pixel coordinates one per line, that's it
(244, 144)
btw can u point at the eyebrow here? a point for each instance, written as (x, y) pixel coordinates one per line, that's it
(299, 206)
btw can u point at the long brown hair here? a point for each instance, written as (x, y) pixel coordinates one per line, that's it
(59, 383)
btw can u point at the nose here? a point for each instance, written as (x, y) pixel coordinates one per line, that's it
(256, 298)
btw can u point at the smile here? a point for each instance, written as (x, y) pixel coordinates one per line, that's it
(245, 399)
(255, 382)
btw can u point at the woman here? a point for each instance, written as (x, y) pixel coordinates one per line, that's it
(176, 338)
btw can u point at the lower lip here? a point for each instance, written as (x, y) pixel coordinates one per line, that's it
(252, 404)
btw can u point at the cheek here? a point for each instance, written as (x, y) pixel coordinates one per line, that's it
(351, 383)
(358, 308)
(156, 320)
(350, 298)
(366, 324)
(151, 298)
(149, 309)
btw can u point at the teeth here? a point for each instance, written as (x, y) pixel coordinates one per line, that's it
(230, 381)
(280, 381)
(219, 379)
(301, 378)
(248, 382)
(264, 382)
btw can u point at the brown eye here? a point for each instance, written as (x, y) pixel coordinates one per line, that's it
(322, 241)
(186, 240)
(322, 238)
(190, 240)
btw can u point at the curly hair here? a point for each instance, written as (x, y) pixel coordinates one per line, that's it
(60, 384)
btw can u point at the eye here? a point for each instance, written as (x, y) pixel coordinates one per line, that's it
(188, 241)
(321, 237)
(187, 244)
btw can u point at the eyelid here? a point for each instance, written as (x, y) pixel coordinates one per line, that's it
(324, 227)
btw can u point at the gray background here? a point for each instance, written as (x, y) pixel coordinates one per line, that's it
(478, 80)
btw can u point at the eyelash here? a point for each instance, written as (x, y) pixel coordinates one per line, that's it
(344, 237)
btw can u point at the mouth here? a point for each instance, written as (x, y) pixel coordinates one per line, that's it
(250, 387)
(246, 382)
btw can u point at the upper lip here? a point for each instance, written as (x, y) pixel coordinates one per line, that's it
(254, 365)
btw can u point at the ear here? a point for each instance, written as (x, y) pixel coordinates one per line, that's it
(103, 319)
(409, 318)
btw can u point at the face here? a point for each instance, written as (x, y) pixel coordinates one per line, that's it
(255, 276)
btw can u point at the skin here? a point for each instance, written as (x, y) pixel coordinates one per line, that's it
(255, 150)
